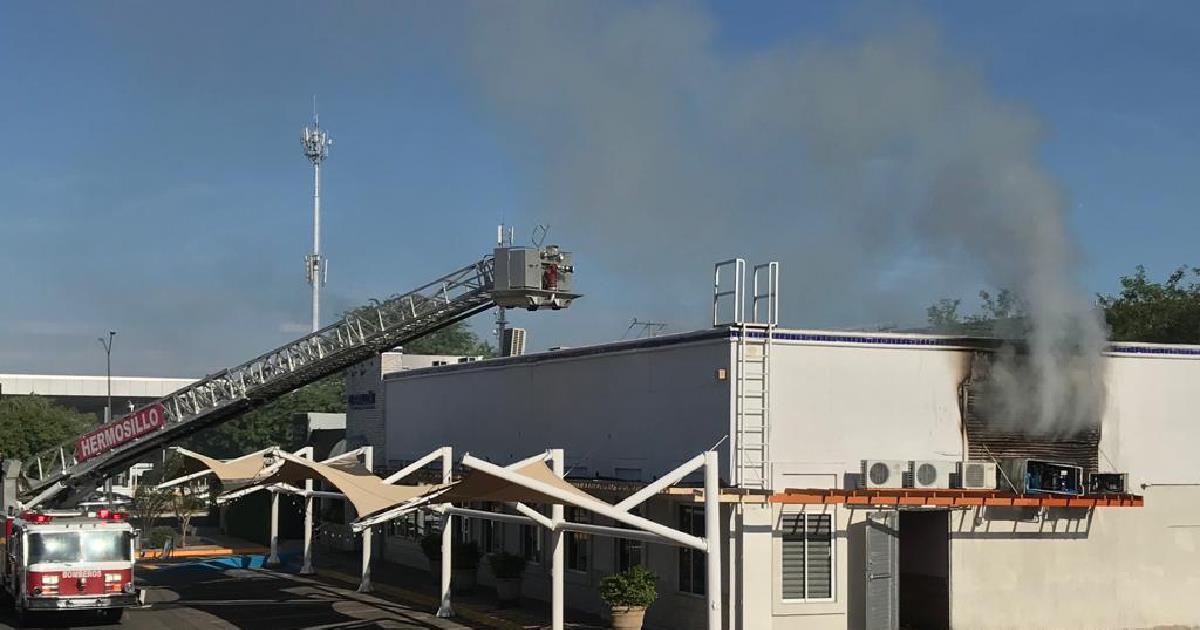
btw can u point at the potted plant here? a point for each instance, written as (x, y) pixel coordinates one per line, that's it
(628, 594)
(507, 568)
(464, 561)
(431, 546)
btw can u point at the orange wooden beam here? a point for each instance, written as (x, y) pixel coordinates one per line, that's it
(947, 497)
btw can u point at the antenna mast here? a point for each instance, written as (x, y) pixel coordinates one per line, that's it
(316, 148)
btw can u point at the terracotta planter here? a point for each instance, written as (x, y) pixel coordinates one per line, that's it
(462, 580)
(628, 617)
(508, 589)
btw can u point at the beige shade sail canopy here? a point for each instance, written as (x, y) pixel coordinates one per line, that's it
(234, 473)
(479, 485)
(366, 492)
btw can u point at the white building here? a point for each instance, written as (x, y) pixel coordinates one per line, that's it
(89, 393)
(627, 412)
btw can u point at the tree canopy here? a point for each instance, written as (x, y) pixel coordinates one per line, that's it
(272, 424)
(31, 424)
(1002, 313)
(1166, 312)
(1143, 310)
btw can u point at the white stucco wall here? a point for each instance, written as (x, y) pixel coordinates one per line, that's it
(1123, 568)
(833, 404)
(646, 409)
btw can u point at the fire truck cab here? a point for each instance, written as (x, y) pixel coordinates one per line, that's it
(69, 560)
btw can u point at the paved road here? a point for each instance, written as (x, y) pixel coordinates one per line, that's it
(212, 596)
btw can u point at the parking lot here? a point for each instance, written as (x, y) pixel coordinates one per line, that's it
(220, 594)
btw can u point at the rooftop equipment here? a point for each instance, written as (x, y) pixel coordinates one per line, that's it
(1033, 476)
(512, 342)
(1108, 483)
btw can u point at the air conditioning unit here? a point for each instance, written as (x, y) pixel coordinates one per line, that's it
(1108, 483)
(977, 475)
(879, 473)
(513, 344)
(931, 474)
(1035, 476)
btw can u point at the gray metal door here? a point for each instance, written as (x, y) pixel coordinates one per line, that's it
(883, 571)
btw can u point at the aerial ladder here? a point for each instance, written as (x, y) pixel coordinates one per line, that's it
(511, 277)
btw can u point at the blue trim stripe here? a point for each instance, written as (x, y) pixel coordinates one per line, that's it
(1161, 350)
(935, 342)
(886, 341)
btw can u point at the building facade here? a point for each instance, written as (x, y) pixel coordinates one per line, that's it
(628, 412)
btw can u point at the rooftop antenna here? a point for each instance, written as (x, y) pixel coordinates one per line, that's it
(316, 148)
(645, 329)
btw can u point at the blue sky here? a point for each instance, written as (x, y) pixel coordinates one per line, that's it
(153, 181)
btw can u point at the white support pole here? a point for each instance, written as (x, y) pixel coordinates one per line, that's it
(307, 567)
(712, 534)
(585, 502)
(184, 479)
(445, 611)
(273, 559)
(557, 549)
(664, 482)
(364, 586)
(533, 515)
(417, 465)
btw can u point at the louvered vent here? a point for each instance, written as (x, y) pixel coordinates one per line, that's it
(990, 443)
(973, 476)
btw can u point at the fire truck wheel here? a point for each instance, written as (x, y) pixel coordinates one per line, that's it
(112, 615)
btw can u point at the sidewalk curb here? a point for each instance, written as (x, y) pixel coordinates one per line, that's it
(219, 552)
(460, 610)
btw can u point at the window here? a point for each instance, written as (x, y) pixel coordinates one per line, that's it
(413, 525)
(531, 543)
(578, 552)
(629, 551)
(88, 546)
(691, 561)
(807, 556)
(493, 536)
(54, 547)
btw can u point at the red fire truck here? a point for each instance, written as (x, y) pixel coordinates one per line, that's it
(70, 560)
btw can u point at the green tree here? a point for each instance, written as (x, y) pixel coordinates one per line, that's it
(1000, 314)
(1167, 312)
(457, 338)
(272, 424)
(943, 316)
(32, 424)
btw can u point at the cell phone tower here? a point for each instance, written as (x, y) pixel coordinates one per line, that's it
(316, 148)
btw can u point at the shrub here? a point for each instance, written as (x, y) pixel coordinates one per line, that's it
(158, 536)
(506, 566)
(464, 555)
(431, 545)
(635, 587)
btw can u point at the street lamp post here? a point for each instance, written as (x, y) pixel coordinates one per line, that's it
(107, 343)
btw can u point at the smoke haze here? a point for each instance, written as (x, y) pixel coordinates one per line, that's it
(878, 167)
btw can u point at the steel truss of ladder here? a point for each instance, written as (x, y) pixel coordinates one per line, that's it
(361, 334)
